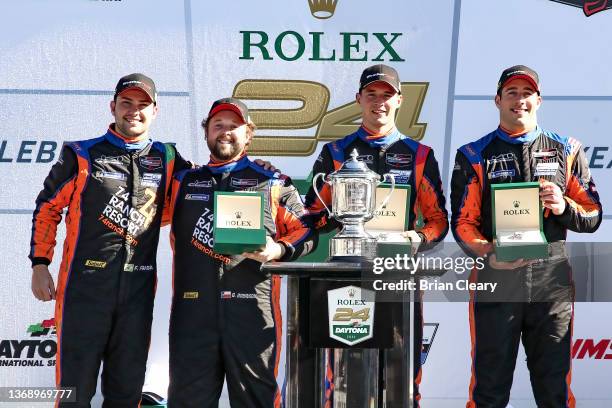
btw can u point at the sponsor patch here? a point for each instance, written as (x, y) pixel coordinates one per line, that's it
(539, 154)
(110, 160)
(235, 182)
(226, 294)
(401, 176)
(398, 160)
(95, 264)
(200, 184)
(502, 158)
(110, 175)
(151, 179)
(151, 162)
(191, 295)
(546, 169)
(197, 197)
(501, 173)
(366, 158)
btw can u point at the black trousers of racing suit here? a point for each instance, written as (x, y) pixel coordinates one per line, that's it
(226, 318)
(114, 192)
(533, 302)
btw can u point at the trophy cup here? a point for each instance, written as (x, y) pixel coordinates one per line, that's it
(353, 201)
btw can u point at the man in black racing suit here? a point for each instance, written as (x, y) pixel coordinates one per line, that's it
(226, 319)
(384, 149)
(114, 187)
(536, 296)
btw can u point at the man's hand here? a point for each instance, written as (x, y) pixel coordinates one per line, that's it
(415, 240)
(266, 165)
(43, 287)
(272, 251)
(495, 264)
(552, 197)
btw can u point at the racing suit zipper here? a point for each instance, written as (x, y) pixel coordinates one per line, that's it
(127, 266)
(529, 281)
(221, 288)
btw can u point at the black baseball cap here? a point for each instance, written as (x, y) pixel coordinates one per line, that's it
(139, 81)
(230, 104)
(380, 73)
(519, 72)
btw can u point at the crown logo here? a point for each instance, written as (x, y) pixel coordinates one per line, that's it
(238, 214)
(516, 203)
(322, 9)
(351, 292)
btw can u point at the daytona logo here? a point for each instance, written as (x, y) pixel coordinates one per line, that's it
(37, 351)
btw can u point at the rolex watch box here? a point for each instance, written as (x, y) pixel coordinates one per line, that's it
(518, 221)
(238, 222)
(390, 221)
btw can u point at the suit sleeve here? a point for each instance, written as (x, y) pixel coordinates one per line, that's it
(293, 226)
(175, 188)
(180, 163)
(319, 215)
(466, 204)
(50, 203)
(175, 165)
(432, 204)
(583, 212)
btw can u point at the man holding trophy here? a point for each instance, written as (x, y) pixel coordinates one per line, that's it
(514, 195)
(228, 217)
(381, 147)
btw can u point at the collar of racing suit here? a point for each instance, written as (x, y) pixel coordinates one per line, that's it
(228, 166)
(114, 138)
(378, 140)
(517, 139)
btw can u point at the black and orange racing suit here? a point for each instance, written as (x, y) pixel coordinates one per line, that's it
(411, 163)
(536, 300)
(226, 317)
(114, 191)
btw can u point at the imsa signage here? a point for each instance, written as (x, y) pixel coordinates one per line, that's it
(351, 314)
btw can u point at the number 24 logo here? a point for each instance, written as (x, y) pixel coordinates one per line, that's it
(330, 125)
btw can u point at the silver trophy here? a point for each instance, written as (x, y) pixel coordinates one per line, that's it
(353, 188)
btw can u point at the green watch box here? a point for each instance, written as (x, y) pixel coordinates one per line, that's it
(238, 222)
(518, 221)
(390, 221)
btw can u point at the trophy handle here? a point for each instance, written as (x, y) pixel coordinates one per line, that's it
(314, 186)
(386, 200)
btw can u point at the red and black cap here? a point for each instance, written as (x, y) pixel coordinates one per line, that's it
(519, 72)
(230, 104)
(380, 73)
(137, 81)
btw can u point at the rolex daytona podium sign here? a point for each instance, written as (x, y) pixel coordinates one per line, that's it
(351, 314)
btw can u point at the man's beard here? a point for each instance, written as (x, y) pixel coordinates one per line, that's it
(223, 153)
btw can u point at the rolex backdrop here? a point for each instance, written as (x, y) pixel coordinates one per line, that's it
(296, 64)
